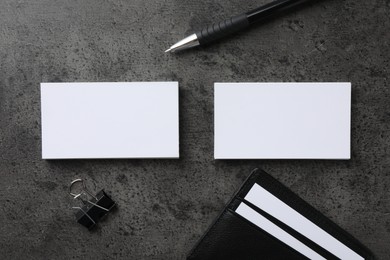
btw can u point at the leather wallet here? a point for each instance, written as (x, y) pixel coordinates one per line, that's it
(265, 220)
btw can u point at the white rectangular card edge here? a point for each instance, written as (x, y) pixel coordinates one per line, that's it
(107, 82)
(45, 156)
(109, 158)
(275, 82)
(263, 223)
(217, 156)
(269, 203)
(280, 158)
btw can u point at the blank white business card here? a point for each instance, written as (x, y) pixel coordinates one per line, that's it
(110, 120)
(282, 120)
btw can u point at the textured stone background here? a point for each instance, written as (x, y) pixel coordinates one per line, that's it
(165, 205)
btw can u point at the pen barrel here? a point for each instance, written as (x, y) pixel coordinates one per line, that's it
(272, 9)
(222, 29)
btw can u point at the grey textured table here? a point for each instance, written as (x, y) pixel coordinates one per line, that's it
(165, 205)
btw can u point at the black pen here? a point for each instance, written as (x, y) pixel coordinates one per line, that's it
(233, 25)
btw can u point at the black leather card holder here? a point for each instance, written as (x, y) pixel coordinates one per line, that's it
(231, 236)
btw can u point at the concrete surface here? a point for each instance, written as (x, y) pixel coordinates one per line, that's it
(165, 205)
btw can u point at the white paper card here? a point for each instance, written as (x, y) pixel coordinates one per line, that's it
(282, 120)
(251, 215)
(110, 120)
(268, 202)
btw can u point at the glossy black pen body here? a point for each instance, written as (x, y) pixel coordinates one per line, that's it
(233, 25)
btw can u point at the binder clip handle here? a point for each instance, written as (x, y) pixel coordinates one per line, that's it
(84, 189)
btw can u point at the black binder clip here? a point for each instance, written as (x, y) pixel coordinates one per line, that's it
(94, 208)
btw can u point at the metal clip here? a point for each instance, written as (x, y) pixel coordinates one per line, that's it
(94, 208)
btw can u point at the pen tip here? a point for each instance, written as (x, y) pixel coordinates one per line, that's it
(168, 50)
